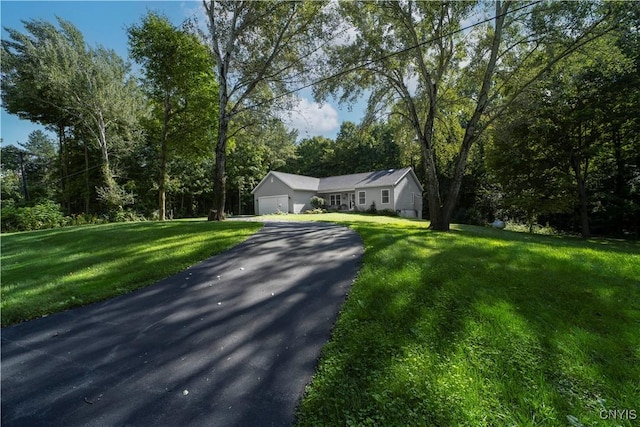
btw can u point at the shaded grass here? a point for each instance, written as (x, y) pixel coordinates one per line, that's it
(53, 270)
(479, 327)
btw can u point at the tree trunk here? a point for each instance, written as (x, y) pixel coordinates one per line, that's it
(433, 185)
(620, 191)
(162, 187)
(220, 175)
(576, 162)
(582, 196)
(102, 142)
(87, 189)
(472, 131)
(23, 175)
(64, 170)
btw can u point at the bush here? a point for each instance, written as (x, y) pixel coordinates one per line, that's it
(471, 216)
(122, 215)
(315, 211)
(46, 214)
(318, 202)
(388, 212)
(372, 209)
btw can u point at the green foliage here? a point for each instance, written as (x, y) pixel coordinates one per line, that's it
(41, 216)
(51, 76)
(372, 209)
(261, 49)
(182, 91)
(318, 202)
(254, 151)
(550, 150)
(315, 211)
(387, 212)
(364, 148)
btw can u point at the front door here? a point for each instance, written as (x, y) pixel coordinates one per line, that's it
(352, 201)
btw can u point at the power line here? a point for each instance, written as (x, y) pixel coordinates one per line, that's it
(392, 54)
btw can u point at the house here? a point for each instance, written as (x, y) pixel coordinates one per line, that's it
(395, 189)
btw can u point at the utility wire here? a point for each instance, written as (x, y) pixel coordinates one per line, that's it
(392, 54)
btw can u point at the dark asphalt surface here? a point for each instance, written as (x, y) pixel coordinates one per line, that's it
(231, 341)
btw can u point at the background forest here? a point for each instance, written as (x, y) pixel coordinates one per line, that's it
(560, 149)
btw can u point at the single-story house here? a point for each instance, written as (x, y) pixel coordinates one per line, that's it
(394, 189)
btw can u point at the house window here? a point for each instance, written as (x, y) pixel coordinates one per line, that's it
(334, 200)
(385, 197)
(361, 197)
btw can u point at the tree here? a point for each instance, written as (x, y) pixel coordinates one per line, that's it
(28, 89)
(313, 157)
(415, 57)
(253, 152)
(261, 49)
(73, 86)
(179, 81)
(39, 156)
(569, 125)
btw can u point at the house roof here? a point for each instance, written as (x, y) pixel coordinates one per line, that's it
(297, 182)
(362, 180)
(330, 184)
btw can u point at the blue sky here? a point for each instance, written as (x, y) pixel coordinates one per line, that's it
(105, 23)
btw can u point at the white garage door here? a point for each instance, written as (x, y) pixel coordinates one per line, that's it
(272, 204)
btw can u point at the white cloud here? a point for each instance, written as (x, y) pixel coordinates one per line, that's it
(311, 118)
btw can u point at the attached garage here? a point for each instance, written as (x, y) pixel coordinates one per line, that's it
(272, 204)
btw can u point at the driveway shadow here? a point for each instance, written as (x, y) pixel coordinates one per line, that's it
(230, 341)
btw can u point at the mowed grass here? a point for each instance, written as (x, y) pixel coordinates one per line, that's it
(52, 270)
(480, 327)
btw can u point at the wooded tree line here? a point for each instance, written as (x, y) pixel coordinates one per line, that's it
(530, 115)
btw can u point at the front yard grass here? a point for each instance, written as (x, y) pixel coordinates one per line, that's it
(52, 270)
(476, 327)
(480, 327)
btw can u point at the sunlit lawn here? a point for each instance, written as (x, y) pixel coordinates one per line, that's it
(479, 327)
(52, 270)
(476, 327)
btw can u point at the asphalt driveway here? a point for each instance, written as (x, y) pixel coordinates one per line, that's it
(231, 341)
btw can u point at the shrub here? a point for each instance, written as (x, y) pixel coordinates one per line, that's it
(315, 211)
(471, 216)
(46, 214)
(122, 215)
(388, 212)
(317, 202)
(372, 209)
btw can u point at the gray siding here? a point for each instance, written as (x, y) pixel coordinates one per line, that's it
(272, 186)
(374, 194)
(408, 197)
(301, 201)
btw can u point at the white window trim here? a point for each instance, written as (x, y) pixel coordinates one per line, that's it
(382, 196)
(364, 198)
(337, 196)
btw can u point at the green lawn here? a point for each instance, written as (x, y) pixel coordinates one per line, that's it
(476, 327)
(480, 327)
(52, 270)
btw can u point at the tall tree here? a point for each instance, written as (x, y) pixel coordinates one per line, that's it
(313, 157)
(86, 89)
(28, 90)
(261, 49)
(39, 158)
(252, 153)
(415, 54)
(549, 144)
(179, 81)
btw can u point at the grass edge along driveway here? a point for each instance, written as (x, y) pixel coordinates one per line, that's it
(481, 327)
(48, 271)
(475, 327)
